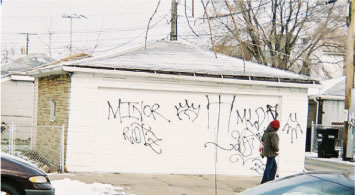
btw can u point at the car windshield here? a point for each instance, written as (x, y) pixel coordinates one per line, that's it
(300, 185)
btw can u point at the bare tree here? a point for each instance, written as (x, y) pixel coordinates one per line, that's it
(209, 23)
(281, 33)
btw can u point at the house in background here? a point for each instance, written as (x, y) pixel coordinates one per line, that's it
(328, 102)
(326, 110)
(172, 108)
(17, 98)
(18, 92)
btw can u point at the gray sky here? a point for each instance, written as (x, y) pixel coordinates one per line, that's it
(111, 24)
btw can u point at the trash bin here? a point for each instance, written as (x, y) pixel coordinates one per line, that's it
(326, 143)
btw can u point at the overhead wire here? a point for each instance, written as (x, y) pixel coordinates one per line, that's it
(102, 44)
(134, 38)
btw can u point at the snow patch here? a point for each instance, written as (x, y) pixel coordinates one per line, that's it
(314, 156)
(73, 187)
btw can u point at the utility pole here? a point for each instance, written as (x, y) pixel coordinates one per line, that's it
(71, 17)
(174, 21)
(27, 39)
(193, 8)
(350, 79)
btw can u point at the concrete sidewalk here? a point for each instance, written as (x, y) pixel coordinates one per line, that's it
(151, 184)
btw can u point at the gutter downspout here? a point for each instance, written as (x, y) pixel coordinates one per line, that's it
(317, 109)
(313, 125)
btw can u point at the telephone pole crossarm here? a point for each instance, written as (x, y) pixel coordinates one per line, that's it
(71, 17)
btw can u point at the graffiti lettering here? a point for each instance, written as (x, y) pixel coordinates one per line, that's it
(243, 145)
(292, 126)
(135, 110)
(218, 105)
(218, 122)
(136, 113)
(237, 131)
(187, 110)
(258, 165)
(137, 133)
(272, 110)
(231, 109)
(247, 124)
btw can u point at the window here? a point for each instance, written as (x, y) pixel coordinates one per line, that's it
(52, 111)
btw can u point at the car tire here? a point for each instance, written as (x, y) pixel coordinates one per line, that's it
(10, 189)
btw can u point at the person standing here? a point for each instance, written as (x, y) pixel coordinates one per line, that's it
(270, 141)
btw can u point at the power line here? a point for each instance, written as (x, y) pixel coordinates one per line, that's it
(136, 37)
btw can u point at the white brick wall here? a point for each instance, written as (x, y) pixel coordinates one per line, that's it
(184, 140)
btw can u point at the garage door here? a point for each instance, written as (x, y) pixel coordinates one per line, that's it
(149, 131)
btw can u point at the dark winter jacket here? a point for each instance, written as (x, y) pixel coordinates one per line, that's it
(270, 142)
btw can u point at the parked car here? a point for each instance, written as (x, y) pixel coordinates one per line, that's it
(315, 183)
(19, 177)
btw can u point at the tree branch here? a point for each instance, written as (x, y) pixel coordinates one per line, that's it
(211, 33)
(186, 16)
(149, 21)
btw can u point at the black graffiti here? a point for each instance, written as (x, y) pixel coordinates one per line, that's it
(208, 108)
(137, 133)
(219, 105)
(246, 119)
(231, 109)
(248, 125)
(272, 110)
(243, 148)
(258, 166)
(243, 143)
(256, 163)
(253, 119)
(292, 126)
(186, 110)
(134, 110)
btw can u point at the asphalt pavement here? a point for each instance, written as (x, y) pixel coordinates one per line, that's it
(317, 164)
(153, 184)
(170, 184)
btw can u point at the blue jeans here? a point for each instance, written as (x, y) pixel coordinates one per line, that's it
(270, 170)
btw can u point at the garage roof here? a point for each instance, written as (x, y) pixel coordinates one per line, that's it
(178, 58)
(333, 89)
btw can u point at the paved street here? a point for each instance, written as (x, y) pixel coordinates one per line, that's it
(320, 165)
(153, 184)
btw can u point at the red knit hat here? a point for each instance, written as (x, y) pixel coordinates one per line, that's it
(275, 124)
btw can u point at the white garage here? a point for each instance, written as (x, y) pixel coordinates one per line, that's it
(174, 108)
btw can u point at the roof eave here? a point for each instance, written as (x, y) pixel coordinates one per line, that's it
(46, 71)
(328, 97)
(158, 74)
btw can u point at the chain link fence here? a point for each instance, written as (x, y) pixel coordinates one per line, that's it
(336, 133)
(40, 145)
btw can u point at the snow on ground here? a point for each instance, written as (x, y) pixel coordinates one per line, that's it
(335, 160)
(73, 187)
